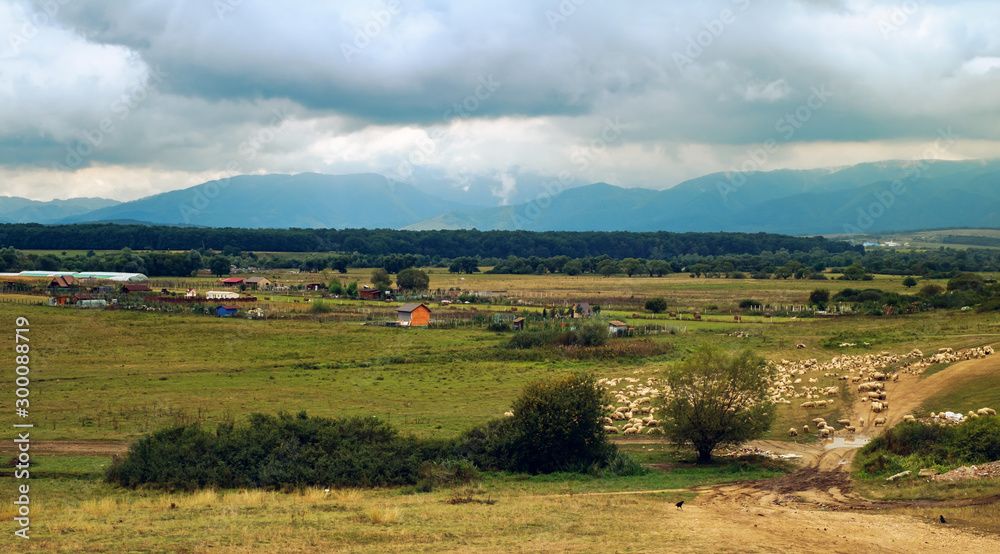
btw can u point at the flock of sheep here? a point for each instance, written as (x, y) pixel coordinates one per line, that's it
(869, 372)
(634, 405)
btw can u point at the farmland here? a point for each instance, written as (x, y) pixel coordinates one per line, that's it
(103, 378)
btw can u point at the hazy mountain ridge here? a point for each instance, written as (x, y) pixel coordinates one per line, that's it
(22, 210)
(889, 195)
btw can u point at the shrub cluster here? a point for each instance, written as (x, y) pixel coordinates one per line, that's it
(975, 441)
(556, 427)
(588, 332)
(272, 452)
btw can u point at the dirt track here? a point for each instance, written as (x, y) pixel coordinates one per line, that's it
(815, 504)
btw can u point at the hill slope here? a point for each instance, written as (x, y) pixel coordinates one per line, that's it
(784, 201)
(307, 200)
(22, 210)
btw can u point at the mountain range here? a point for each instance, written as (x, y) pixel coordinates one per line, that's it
(882, 196)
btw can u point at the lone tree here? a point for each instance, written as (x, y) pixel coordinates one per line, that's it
(909, 282)
(381, 279)
(413, 279)
(819, 297)
(656, 305)
(717, 399)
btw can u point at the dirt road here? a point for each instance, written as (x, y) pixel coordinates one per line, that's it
(815, 504)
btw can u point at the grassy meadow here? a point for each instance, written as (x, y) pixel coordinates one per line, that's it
(111, 376)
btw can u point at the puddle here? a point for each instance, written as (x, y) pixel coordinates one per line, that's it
(846, 442)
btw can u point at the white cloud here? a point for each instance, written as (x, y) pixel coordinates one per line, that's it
(897, 78)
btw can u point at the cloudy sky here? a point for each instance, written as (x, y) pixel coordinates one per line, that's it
(483, 101)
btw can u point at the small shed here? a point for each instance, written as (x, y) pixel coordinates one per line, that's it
(315, 286)
(132, 288)
(232, 281)
(413, 315)
(226, 311)
(518, 324)
(260, 283)
(616, 327)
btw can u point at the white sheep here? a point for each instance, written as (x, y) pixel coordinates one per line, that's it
(826, 432)
(879, 421)
(508, 414)
(611, 429)
(632, 431)
(792, 432)
(805, 428)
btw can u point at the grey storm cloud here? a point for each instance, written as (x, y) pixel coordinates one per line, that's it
(723, 73)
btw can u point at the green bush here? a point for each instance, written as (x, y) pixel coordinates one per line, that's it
(592, 332)
(274, 452)
(556, 427)
(974, 441)
(656, 305)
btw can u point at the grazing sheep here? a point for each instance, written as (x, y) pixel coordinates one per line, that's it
(792, 432)
(611, 429)
(908, 418)
(843, 422)
(826, 432)
(986, 411)
(808, 405)
(851, 429)
(821, 425)
(805, 428)
(861, 422)
(632, 431)
(508, 414)
(879, 421)
(654, 431)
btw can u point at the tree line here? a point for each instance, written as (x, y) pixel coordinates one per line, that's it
(444, 244)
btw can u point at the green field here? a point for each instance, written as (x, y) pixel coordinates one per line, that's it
(111, 376)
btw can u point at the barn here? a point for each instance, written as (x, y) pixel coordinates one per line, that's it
(128, 289)
(232, 281)
(226, 311)
(259, 283)
(413, 315)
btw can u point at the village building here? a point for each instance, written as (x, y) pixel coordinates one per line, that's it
(616, 327)
(582, 309)
(220, 295)
(227, 311)
(413, 315)
(134, 288)
(259, 283)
